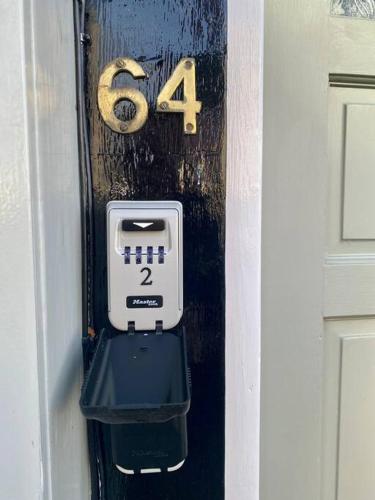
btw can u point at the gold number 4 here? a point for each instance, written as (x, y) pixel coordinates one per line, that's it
(183, 73)
(109, 97)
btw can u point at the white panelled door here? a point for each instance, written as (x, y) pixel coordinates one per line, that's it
(318, 313)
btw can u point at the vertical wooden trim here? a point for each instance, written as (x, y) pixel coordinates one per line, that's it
(293, 245)
(51, 131)
(19, 415)
(243, 241)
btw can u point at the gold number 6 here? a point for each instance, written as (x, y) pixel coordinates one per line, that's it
(108, 97)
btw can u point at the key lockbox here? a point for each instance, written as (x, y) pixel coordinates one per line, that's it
(144, 256)
(139, 381)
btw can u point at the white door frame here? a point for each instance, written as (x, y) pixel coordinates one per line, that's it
(243, 247)
(41, 425)
(50, 88)
(293, 244)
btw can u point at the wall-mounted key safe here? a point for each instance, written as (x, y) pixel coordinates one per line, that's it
(144, 264)
(138, 380)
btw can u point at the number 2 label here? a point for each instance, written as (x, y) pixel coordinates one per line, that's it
(147, 280)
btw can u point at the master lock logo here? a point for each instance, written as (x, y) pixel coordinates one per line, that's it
(144, 301)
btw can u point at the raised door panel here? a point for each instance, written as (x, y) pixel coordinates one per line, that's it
(356, 451)
(359, 173)
(349, 408)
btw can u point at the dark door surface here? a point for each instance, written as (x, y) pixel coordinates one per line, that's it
(161, 162)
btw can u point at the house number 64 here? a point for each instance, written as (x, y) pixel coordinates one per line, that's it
(109, 97)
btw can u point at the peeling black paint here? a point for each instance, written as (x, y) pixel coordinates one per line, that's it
(160, 162)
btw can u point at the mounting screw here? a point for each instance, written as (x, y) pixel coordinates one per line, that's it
(164, 105)
(188, 64)
(189, 127)
(120, 63)
(123, 127)
(84, 38)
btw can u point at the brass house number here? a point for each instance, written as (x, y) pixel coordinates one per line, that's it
(109, 97)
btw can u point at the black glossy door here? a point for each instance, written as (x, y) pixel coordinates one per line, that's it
(160, 162)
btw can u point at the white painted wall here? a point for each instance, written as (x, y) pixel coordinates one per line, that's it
(243, 241)
(41, 429)
(21, 474)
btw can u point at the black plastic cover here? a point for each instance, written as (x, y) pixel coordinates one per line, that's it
(138, 378)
